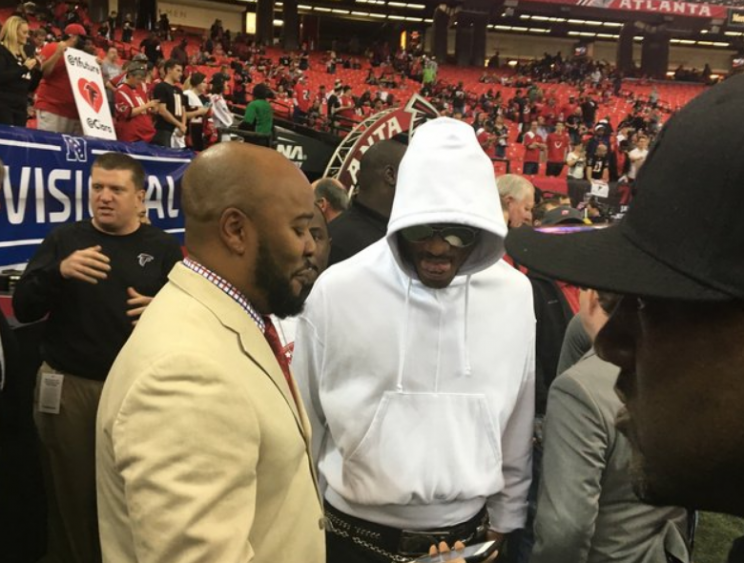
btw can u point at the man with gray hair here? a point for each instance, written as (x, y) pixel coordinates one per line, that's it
(517, 199)
(331, 197)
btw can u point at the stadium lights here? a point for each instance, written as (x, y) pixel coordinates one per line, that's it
(428, 20)
(304, 7)
(416, 6)
(278, 23)
(337, 11)
(322, 9)
(638, 38)
(397, 4)
(394, 17)
(733, 33)
(363, 14)
(378, 16)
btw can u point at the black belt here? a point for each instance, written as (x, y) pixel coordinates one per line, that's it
(406, 543)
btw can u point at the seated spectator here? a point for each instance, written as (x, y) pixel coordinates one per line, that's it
(19, 74)
(132, 109)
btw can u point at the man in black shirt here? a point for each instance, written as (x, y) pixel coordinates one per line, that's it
(598, 165)
(151, 47)
(171, 118)
(93, 279)
(366, 219)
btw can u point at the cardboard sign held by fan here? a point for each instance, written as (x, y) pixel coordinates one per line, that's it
(86, 80)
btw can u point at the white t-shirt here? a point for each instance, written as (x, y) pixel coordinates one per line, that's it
(194, 101)
(634, 166)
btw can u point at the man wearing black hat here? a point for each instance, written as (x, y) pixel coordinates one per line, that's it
(678, 331)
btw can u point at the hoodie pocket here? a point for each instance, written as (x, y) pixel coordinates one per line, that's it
(424, 448)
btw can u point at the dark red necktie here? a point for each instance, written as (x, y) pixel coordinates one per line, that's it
(272, 337)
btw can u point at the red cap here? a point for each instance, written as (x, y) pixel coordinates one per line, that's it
(75, 29)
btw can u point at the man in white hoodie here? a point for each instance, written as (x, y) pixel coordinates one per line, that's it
(415, 359)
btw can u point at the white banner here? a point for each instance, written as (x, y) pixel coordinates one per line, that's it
(86, 80)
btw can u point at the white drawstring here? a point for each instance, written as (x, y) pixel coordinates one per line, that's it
(468, 369)
(404, 338)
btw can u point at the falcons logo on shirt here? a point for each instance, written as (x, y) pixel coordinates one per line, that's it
(143, 259)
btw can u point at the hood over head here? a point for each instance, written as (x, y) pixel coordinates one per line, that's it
(446, 177)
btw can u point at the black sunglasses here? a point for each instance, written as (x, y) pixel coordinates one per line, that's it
(456, 236)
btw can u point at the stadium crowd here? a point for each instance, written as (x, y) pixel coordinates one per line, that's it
(176, 91)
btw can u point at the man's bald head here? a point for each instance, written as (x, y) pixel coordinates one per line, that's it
(378, 174)
(227, 175)
(376, 163)
(248, 211)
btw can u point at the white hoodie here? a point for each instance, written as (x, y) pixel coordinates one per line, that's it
(422, 400)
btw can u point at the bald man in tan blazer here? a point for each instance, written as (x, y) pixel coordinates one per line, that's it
(202, 440)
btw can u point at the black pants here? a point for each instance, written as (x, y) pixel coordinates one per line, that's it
(13, 115)
(162, 138)
(196, 131)
(554, 168)
(531, 168)
(344, 550)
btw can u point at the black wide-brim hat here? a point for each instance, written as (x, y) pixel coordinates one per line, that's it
(683, 236)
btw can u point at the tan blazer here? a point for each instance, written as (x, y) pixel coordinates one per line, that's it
(202, 453)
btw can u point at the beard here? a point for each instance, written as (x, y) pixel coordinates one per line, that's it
(269, 278)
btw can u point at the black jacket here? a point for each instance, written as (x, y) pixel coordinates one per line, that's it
(552, 313)
(16, 81)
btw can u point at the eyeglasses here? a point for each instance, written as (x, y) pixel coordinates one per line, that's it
(456, 236)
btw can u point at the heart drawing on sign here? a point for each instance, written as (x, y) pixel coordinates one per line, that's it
(91, 93)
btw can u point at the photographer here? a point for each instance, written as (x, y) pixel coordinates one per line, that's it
(55, 104)
(18, 73)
